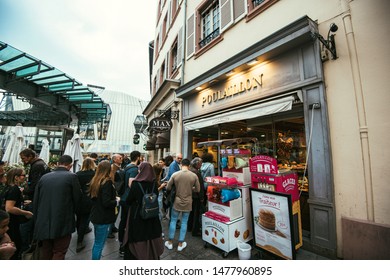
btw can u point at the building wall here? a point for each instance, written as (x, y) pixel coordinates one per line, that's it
(163, 96)
(355, 93)
(358, 100)
(246, 33)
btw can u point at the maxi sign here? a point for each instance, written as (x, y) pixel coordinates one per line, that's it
(160, 125)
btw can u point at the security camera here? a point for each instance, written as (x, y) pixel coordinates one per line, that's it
(333, 27)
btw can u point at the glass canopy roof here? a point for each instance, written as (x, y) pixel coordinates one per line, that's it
(58, 97)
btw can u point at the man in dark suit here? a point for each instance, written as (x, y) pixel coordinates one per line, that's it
(56, 196)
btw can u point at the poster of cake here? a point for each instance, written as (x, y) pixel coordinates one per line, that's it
(272, 222)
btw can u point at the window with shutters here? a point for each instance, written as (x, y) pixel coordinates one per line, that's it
(175, 9)
(164, 27)
(154, 85)
(255, 7)
(173, 59)
(159, 10)
(210, 22)
(156, 48)
(162, 73)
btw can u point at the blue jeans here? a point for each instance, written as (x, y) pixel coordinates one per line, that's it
(101, 233)
(183, 227)
(160, 204)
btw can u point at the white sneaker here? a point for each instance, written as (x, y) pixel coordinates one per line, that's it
(168, 245)
(183, 245)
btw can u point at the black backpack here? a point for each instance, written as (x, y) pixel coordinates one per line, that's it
(149, 204)
(120, 177)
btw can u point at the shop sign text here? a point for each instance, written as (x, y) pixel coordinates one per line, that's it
(233, 89)
(160, 125)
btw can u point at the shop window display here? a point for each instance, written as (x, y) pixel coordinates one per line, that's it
(282, 137)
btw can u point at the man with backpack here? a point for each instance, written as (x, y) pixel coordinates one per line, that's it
(130, 171)
(38, 168)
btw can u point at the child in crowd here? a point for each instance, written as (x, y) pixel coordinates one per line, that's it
(7, 247)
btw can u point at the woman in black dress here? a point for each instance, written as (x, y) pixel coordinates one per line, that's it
(13, 205)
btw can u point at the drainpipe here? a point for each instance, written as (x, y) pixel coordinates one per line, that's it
(183, 51)
(359, 98)
(179, 105)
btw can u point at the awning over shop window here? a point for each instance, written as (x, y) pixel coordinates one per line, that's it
(110, 147)
(258, 110)
(163, 140)
(227, 142)
(151, 143)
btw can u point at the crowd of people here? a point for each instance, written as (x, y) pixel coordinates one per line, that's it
(47, 206)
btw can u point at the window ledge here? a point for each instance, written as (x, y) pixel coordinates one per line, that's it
(210, 45)
(259, 9)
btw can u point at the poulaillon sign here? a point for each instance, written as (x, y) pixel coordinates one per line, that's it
(160, 124)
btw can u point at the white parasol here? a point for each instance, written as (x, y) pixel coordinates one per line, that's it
(15, 145)
(73, 149)
(45, 151)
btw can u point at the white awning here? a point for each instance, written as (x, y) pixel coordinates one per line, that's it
(258, 110)
(110, 147)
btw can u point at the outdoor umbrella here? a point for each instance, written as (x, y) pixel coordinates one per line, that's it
(73, 149)
(15, 145)
(45, 151)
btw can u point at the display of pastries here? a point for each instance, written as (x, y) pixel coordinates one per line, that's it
(267, 219)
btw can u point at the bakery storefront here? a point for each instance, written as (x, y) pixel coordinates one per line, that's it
(273, 92)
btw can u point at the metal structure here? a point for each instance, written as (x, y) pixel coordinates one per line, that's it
(55, 98)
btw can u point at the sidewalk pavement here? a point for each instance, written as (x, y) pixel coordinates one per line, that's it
(196, 249)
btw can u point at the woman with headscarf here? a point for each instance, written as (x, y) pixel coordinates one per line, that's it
(143, 235)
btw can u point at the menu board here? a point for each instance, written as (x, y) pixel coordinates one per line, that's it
(273, 222)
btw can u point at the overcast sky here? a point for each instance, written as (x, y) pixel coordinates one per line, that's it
(97, 42)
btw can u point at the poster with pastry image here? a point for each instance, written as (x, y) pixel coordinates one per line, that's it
(273, 222)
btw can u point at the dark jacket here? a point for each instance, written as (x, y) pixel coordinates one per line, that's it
(104, 205)
(85, 202)
(201, 194)
(140, 229)
(37, 169)
(56, 196)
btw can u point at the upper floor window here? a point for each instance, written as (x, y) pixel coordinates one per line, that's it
(210, 23)
(157, 47)
(174, 58)
(154, 86)
(164, 27)
(162, 73)
(255, 7)
(257, 2)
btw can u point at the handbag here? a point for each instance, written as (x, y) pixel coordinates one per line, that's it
(33, 252)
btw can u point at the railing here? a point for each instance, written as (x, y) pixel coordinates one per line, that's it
(209, 38)
(257, 2)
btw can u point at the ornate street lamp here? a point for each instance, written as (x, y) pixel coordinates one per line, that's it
(140, 124)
